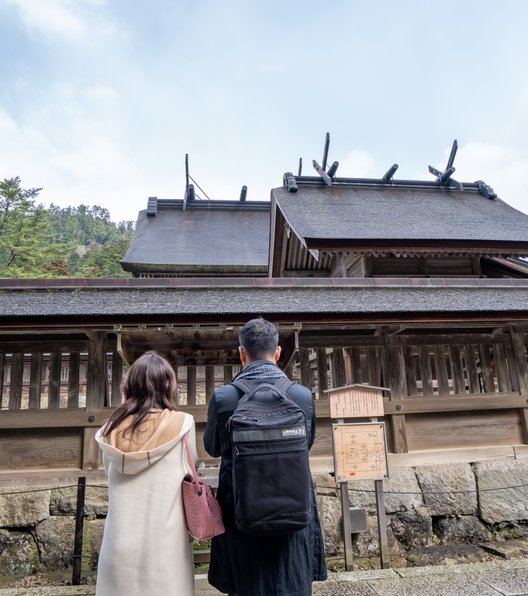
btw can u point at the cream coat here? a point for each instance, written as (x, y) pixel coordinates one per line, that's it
(146, 549)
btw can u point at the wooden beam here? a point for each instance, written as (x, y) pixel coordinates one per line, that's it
(498, 401)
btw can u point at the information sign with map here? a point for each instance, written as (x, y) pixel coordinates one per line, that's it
(360, 451)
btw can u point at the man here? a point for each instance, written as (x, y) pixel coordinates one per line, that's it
(248, 565)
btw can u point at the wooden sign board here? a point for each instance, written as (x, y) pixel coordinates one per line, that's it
(360, 451)
(356, 401)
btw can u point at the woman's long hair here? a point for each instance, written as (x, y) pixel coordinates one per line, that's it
(150, 383)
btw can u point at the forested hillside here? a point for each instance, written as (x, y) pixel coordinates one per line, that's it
(57, 242)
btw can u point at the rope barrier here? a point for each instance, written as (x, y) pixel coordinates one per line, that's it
(356, 490)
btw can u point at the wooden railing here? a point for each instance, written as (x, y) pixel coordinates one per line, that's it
(446, 390)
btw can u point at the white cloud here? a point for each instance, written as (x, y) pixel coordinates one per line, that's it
(504, 169)
(359, 164)
(67, 19)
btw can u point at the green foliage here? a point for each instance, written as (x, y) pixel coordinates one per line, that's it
(57, 242)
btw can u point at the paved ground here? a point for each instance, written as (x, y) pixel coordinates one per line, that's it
(506, 578)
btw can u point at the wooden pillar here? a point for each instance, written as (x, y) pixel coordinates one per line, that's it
(228, 374)
(441, 371)
(54, 380)
(96, 396)
(306, 369)
(117, 377)
(2, 369)
(96, 385)
(191, 385)
(458, 372)
(322, 372)
(520, 356)
(73, 380)
(410, 370)
(486, 371)
(355, 363)
(474, 384)
(501, 368)
(427, 373)
(17, 377)
(35, 380)
(338, 368)
(395, 371)
(209, 382)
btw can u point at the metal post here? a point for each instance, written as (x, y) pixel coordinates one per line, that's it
(347, 529)
(382, 525)
(79, 521)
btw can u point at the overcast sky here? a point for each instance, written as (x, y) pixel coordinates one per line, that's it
(101, 99)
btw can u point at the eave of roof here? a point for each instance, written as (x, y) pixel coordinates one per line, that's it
(216, 300)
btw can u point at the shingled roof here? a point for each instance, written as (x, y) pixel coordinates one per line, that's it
(200, 238)
(389, 218)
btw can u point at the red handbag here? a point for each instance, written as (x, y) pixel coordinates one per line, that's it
(203, 515)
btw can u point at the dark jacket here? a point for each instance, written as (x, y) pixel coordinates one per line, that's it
(247, 565)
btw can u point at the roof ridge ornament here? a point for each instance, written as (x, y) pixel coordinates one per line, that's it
(485, 190)
(444, 178)
(327, 176)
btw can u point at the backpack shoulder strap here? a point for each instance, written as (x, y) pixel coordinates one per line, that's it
(243, 384)
(283, 384)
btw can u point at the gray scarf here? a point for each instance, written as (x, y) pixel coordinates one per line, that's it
(260, 370)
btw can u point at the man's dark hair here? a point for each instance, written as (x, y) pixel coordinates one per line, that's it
(259, 338)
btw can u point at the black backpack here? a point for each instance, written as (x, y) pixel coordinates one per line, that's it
(271, 472)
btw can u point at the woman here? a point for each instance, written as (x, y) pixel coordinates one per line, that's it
(146, 548)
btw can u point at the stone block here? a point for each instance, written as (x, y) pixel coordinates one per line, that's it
(24, 508)
(63, 501)
(466, 529)
(503, 490)
(362, 494)
(448, 489)
(412, 529)
(331, 524)
(402, 491)
(324, 480)
(92, 538)
(19, 553)
(55, 538)
(366, 544)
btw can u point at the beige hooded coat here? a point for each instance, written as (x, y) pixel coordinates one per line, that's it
(146, 549)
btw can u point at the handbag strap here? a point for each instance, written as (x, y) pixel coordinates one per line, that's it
(190, 459)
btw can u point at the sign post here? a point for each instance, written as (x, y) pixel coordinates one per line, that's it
(360, 453)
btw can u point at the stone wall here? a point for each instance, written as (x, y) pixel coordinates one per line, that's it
(433, 505)
(426, 506)
(37, 529)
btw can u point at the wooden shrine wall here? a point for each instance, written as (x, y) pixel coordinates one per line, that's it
(447, 390)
